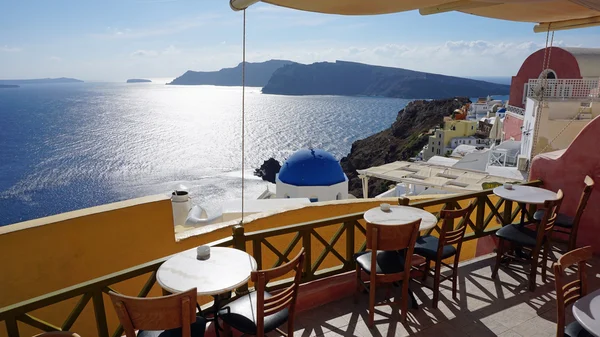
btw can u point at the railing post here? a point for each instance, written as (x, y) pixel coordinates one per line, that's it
(11, 327)
(480, 213)
(349, 226)
(239, 241)
(100, 314)
(306, 237)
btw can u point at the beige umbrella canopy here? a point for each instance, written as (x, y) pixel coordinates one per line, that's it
(549, 14)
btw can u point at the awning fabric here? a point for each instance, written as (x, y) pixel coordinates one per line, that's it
(550, 14)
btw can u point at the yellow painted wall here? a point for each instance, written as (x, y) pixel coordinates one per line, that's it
(462, 128)
(48, 254)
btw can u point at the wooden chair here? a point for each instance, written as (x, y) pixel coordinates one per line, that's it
(438, 249)
(394, 246)
(261, 312)
(535, 240)
(570, 225)
(173, 315)
(57, 334)
(567, 293)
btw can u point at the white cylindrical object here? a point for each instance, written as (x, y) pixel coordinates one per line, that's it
(180, 201)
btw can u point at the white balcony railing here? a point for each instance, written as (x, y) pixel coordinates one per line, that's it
(564, 88)
(516, 110)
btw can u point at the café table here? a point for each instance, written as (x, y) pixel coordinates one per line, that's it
(225, 270)
(402, 215)
(524, 195)
(587, 312)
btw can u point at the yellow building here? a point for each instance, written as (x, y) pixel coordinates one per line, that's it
(439, 143)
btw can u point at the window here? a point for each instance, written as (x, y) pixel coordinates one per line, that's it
(525, 93)
(438, 151)
(439, 143)
(432, 149)
(338, 196)
(471, 127)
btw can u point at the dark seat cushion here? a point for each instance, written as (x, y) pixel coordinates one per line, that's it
(520, 235)
(562, 220)
(388, 262)
(241, 315)
(427, 246)
(197, 330)
(576, 330)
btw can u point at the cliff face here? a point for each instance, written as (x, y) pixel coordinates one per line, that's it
(404, 139)
(257, 75)
(356, 79)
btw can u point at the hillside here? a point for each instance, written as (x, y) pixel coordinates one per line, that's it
(357, 79)
(404, 139)
(257, 75)
(41, 81)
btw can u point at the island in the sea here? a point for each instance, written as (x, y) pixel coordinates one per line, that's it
(41, 81)
(257, 75)
(357, 79)
(138, 80)
(8, 86)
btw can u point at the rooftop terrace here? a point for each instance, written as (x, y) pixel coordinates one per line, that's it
(485, 307)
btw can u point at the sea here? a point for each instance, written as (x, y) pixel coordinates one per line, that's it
(65, 147)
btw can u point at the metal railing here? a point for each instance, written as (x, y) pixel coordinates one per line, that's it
(516, 110)
(322, 240)
(564, 88)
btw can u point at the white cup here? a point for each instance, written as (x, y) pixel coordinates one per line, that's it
(385, 207)
(203, 252)
(508, 186)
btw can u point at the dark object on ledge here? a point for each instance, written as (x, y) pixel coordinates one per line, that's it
(268, 170)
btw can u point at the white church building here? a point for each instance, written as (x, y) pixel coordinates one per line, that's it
(314, 174)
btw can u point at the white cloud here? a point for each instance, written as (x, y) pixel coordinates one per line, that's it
(8, 49)
(55, 59)
(144, 53)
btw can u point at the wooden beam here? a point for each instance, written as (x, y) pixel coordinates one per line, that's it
(455, 6)
(567, 24)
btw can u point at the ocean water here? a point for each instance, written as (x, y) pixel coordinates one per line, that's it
(70, 146)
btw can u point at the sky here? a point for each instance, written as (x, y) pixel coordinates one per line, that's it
(113, 40)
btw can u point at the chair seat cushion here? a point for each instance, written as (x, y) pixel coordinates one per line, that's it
(197, 329)
(241, 315)
(562, 220)
(427, 246)
(576, 330)
(520, 235)
(388, 262)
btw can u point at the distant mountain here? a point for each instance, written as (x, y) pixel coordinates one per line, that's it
(357, 79)
(8, 86)
(257, 75)
(138, 80)
(41, 81)
(493, 79)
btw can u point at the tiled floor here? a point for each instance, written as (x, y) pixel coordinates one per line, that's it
(485, 307)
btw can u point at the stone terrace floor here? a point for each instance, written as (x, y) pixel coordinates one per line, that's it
(485, 307)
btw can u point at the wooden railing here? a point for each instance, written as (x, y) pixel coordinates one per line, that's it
(330, 245)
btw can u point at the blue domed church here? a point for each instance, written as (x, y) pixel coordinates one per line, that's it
(313, 174)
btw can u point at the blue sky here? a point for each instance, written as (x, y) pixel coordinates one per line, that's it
(114, 40)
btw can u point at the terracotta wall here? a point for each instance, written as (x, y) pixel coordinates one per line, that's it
(561, 61)
(512, 127)
(566, 170)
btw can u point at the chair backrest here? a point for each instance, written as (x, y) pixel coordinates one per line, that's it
(571, 291)
(585, 196)
(392, 237)
(159, 313)
(547, 224)
(449, 235)
(58, 334)
(286, 298)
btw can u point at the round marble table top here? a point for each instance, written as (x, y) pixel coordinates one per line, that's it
(525, 194)
(225, 270)
(401, 215)
(587, 312)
